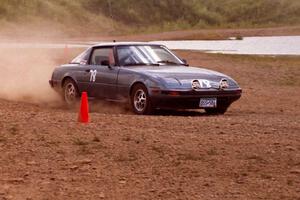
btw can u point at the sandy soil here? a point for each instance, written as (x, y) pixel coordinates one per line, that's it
(33, 34)
(252, 152)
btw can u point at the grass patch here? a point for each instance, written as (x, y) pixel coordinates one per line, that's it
(83, 147)
(290, 80)
(126, 157)
(96, 138)
(212, 152)
(114, 17)
(80, 142)
(159, 150)
(266, 176)
(3, 140)
(290, 183)
(14, 130)
(239, 37)
(190, 156)
(256, 158)
(84, 150)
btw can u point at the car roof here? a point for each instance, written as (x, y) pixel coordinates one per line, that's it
(124, 44)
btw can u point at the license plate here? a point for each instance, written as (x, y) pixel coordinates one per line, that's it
(208, 103)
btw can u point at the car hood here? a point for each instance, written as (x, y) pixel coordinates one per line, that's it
(181, 77)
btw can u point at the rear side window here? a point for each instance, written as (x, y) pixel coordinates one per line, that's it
(103, 54)
(82, 58)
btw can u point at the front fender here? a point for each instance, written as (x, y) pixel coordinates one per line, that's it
(127, 79)
(149, 83)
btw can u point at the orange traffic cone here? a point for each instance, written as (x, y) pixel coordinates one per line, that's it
(83, 116)
(66, 53)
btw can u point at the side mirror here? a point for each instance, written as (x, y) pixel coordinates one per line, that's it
(105, 63)
(185, 62)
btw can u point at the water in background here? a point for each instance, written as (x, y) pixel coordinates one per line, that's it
(280, 45)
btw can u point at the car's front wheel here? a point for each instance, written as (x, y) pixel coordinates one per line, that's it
(70, 92)
(140, 100)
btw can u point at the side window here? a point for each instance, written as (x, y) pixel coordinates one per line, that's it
(103, 55)
(82, 58)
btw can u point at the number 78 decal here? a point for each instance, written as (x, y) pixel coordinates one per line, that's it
(93, 75)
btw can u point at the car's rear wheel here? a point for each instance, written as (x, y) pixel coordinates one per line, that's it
(70, 92)
(140, 100)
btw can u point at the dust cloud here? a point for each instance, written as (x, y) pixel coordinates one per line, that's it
(106, 107)
(24, 75)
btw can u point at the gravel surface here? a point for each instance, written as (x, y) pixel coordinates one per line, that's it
(252, 152)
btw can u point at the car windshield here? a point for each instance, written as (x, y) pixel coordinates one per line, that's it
(146, 55)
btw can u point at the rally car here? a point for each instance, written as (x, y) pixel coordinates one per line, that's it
(147, 76)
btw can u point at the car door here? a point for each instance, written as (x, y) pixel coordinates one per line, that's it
(103, 73)
(81, 72)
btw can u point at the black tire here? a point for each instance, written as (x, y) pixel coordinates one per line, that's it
(140, 100)
(220, 110)
(70, 92)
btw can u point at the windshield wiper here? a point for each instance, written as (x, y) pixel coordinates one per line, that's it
(141, 64)
(168, 62)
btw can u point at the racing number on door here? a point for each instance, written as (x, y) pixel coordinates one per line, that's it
(93, 75)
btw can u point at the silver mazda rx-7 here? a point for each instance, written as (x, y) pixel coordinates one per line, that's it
(145, 75)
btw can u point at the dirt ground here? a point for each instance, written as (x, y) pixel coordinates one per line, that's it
(252, 152)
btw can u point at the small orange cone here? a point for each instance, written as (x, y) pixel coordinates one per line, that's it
(83, 116)
(66, 52)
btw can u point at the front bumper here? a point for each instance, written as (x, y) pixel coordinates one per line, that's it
(190, 99)
(55, 85)
(51, 83)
